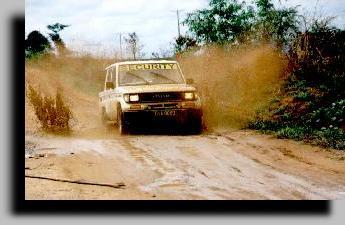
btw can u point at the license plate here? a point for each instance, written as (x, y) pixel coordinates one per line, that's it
(167, 113)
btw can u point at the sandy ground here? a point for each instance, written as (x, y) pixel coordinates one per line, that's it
(216, 165)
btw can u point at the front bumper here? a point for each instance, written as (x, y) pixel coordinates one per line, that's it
(144, 118)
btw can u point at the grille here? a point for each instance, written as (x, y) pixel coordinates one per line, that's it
(161, 97)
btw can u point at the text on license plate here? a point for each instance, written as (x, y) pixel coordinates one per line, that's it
(165, 113)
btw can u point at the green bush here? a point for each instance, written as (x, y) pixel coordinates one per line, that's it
(331, 116)
(311, 106)
(330, 137)
(297, 133)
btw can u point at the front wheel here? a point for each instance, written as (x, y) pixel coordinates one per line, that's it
(194, 125)
(197, 126)
(121, 123)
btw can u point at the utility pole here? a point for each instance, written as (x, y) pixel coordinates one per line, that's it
(120, 46)
(178, 23)
(120, 42)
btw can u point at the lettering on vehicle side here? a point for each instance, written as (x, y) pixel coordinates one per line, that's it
(148, 66)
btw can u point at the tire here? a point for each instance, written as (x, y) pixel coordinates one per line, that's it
(194, 125)
(121, 123)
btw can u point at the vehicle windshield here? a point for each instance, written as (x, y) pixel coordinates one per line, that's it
(149, 74)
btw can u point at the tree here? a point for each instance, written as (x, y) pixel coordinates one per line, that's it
(133, 45)
(36, 44)
(55, 36)
(184, 43)
(224, 21)
(277, 25)
(228, 21)
(320, 51)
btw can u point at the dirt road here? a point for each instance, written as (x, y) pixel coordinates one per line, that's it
(216, 165)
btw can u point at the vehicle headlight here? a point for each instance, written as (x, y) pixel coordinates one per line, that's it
(189, 95)
(131, 97)
(134, 98)
(126, 97)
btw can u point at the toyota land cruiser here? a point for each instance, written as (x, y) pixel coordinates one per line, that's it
(142, 92)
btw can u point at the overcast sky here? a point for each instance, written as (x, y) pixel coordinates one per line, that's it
(96, 24)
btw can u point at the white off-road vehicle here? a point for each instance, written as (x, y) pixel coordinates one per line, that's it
(139, 93)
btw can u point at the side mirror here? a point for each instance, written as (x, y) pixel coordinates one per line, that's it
(109, 85)
(190, 81)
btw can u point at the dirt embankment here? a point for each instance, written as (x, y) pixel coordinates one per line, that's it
(222, 164)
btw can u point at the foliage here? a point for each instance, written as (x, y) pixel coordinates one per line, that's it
(224, 21)
(312, 103)
(330, 138)
(57, 27)
(230, 21)
(53, 114)
(294, 132)
(184, 43)
(277, 25)
(55, 36)
(36, 44)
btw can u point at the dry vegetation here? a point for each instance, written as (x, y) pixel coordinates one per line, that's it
(53, 114)
(80, 78)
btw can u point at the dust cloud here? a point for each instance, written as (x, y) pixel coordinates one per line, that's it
(234, 82)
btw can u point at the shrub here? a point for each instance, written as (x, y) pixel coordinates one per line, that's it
(297, 133)
(53, 114)
(311, 105)
(330, 137)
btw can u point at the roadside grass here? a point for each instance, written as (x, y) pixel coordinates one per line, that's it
(327, 137)
(292, 118)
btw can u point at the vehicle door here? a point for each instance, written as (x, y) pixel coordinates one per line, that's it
(108, 94)
(117, 93)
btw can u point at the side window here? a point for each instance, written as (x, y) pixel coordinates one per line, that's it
(114, 75)
(108, 82)
(106, 78)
